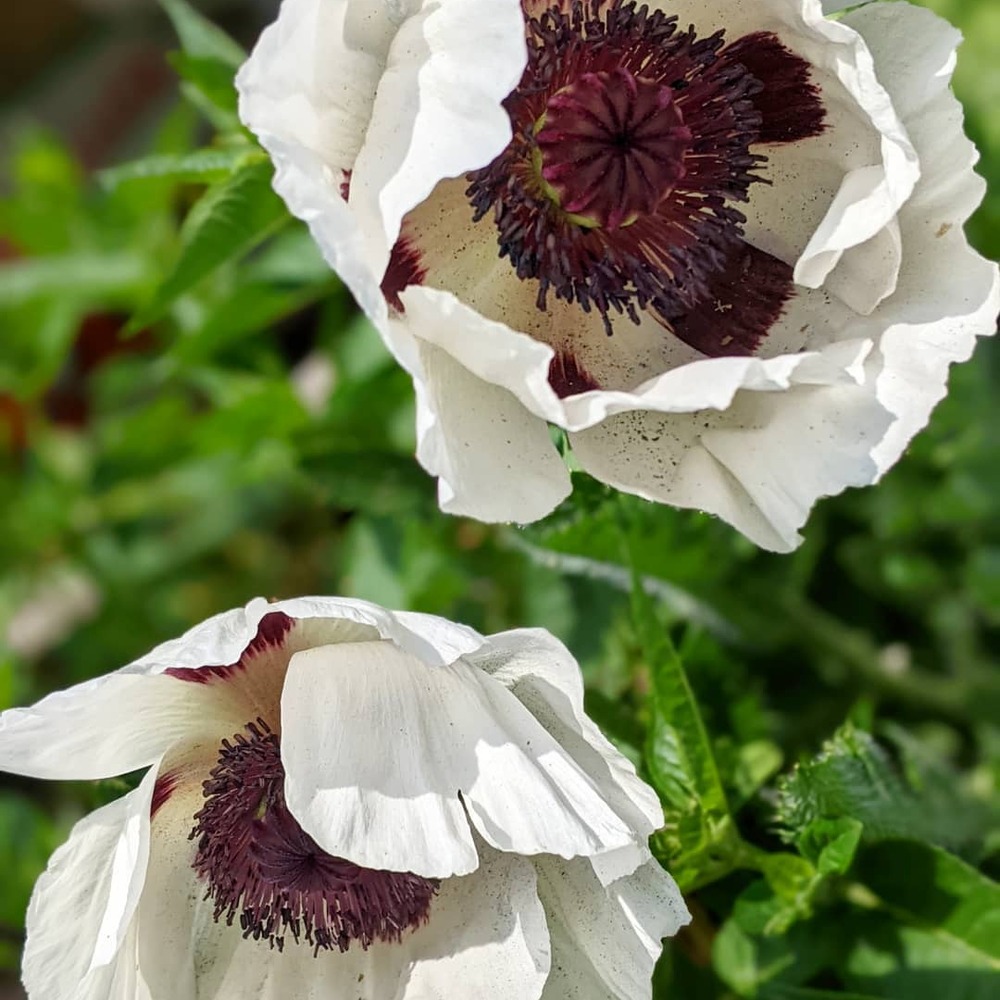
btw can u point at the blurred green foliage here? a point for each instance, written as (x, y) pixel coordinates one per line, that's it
(822, 727)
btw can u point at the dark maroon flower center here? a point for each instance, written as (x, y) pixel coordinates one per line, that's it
(259, 863)
(612, 147)
(634, 142)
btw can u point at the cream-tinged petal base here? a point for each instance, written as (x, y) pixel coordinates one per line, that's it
(606, 940)
(464, 749)
(80, 944)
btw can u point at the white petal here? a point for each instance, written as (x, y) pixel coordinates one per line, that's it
(760, 465)
(605, 941)
(103, 727)
(487, 936)
(305, 83)
(457, 737)
(307, 93)
(126, 720)
(437, 111)
(542, 674)
(947, 294)
(83, 903)
(495, 460)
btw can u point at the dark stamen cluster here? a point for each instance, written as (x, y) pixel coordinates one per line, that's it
(665, 257)
(260, 864)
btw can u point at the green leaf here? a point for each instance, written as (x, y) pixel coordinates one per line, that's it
(200, 38)
(830, 844)
(900, 962)
(782, 991)
(935, 890)
(749, 963)
(203, 165)
(91, 276)
(853, 776)
(214, 83)
(228, 222)
(756, 762)
(700, 839)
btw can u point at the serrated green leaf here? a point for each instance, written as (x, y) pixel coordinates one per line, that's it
(936, 891)
(203, 165)
(854, 776)
(200, 38)
(228, 222)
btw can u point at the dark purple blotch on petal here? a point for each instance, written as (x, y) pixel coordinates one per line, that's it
(745, 299)
(789, 103)
(568, 377)
(405, 268)
(163, 788)
(271, 632)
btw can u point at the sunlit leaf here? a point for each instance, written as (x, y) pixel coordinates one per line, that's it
(230, 220)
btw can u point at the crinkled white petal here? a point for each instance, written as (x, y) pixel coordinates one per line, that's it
(486, 937)
(307, 92)
(502, 356)
(760, 466)
(399, 95)
(675, 438)
(78, 944)
(542, 674)
(437, 112)
(606, 940)
(947, 294)
(384, 755)
(494, 460)
(486, 931)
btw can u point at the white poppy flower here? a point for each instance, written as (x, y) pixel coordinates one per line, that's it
(718, 242)
(343, 801)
